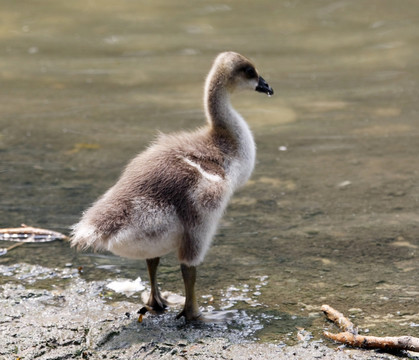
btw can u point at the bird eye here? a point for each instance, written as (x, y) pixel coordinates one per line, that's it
(250, 72)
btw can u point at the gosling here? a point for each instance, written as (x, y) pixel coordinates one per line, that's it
(171, 197)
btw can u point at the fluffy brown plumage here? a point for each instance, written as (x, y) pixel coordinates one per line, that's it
(172, 195)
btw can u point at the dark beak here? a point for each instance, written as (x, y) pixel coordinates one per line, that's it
(264, 87)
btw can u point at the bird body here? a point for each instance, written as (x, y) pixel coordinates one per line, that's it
(181, 184)
(171, 197)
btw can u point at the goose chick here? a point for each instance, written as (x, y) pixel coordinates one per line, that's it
(171, 197)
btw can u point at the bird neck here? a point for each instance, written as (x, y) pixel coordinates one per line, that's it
(218, 108)
(222, 117)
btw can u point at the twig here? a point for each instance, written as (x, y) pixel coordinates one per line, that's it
(349, 336)
(375, 342)
(4, 251)
(30, 234)
(14, 246)
(339, 319)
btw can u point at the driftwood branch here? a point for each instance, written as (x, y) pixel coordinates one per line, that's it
(350, 335)
(30, 234)
(339, 319)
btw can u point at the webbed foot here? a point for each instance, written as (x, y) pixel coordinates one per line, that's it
(158, 303)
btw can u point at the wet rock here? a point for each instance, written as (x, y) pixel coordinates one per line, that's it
(350, 285)
(344, 184)
(355, 310)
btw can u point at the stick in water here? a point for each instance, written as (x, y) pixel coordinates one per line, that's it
(350, 335)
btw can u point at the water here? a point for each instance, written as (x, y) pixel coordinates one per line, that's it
(331, 213)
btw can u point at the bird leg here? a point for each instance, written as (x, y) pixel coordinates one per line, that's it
(191, 309)
(156, 302)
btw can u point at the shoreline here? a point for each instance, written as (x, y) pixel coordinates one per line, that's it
(75, 321)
